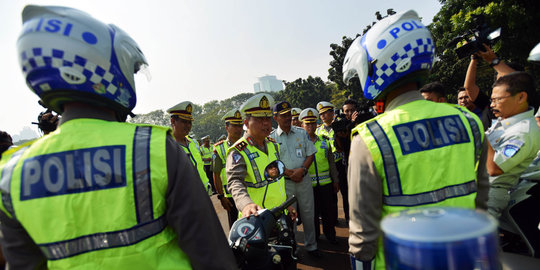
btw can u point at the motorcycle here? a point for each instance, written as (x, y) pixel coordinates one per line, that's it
(266, 241)
(520, 220)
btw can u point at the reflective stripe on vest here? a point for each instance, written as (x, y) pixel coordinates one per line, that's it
(222, 153)
(396, 197)
(141, 173)
(319, 171)
(196, 155)
(389, 160)
(5, 181)
(475, 131)
(147, 226)
(87, 243)
(256, 172)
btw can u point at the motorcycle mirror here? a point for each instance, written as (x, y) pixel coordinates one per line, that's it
(274, 170)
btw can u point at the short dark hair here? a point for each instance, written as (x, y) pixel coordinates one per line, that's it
(434, 87)
(351, 101)
(519, 81)
(5, 141)
(461, 89)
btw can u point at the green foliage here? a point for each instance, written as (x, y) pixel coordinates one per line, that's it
(305, 93)
(335, 72)
(157, 117)
(207, 118)
(515, 17)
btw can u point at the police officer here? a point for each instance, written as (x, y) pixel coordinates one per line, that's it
(233, 126)
(295, 112)
(297, 153)
(514, 139)
(206, 155)
(99, 193)
(326, 113)
(324, 177)
(249, 156)
(417, 153)
(181, 123)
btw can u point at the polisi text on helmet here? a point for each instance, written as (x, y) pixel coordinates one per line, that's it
(406, 26)
(59, 26)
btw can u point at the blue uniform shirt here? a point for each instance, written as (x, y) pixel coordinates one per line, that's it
(294, 147)
(516, 141)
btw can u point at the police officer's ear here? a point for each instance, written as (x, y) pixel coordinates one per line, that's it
(522, 97)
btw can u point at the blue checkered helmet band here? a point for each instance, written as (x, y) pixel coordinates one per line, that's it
(392, 49)
(419, 51)
(65, 54)
(45, 70)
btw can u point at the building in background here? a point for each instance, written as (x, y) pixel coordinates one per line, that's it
(268, 83)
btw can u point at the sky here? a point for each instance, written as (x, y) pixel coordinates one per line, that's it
(201, 50)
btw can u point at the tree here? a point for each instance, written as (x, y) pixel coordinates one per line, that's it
(206, 118)
(515, 17)
(157, 117)
(305, 93)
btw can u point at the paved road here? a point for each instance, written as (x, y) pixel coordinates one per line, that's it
(334, 256)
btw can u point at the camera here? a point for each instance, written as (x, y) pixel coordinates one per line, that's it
(471, 41)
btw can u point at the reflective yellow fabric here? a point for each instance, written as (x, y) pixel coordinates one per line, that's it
(320, 169)
(54, 205)
(206, 155)
(436, 170)
(321, 131)
(256, 162)
(221, 150)
(194, 155)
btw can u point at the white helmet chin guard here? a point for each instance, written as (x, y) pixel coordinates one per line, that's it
(392, 49)
(66, 55)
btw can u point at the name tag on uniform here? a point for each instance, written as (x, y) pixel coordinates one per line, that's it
(74, 171)
(427, 134)
(299, 152)
(253, 156)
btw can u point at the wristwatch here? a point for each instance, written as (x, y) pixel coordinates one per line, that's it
(220, 196)
(495, 62)
(305, 170)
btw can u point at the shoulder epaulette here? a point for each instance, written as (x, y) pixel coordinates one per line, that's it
(240, 145)
(218, 143)
(271, 139)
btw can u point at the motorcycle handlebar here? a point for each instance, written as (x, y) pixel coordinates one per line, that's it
(276, 211)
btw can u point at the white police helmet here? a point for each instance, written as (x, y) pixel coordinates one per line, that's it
(395, 47)
(66, 55)
(534, 56)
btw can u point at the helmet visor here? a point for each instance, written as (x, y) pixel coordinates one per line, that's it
(356, 63)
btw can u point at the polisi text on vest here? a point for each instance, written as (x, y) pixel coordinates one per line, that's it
(73, 171)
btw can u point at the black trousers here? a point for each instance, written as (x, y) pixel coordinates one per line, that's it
(343, 187)
(326, 208)
(210, 175)
(233, 214)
